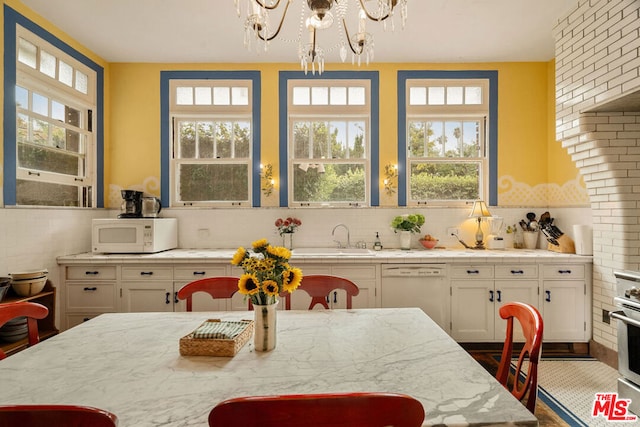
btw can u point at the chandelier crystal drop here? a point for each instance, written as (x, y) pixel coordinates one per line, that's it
(264, 19)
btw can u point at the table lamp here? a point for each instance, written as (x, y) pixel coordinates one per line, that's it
(479, 211)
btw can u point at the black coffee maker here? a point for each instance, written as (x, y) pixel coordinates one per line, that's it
(131, 204)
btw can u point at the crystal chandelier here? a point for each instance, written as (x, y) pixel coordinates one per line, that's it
(316, 16)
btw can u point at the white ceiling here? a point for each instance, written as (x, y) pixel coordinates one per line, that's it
(181, 31)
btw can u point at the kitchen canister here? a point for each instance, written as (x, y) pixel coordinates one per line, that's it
(530, 239)
(583, 238)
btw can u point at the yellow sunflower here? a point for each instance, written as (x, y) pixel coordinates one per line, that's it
(291, 279)
(270, 288)
(259, 244)
(248, 284)
(238, 256)
(279, 251)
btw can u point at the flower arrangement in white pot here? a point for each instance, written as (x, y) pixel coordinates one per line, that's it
(406, 225)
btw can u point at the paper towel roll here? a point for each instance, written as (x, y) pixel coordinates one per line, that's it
(583, 237)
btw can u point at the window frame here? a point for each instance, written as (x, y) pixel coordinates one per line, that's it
(326, 113)
(17, 26)
(166, 138)
(405, 78)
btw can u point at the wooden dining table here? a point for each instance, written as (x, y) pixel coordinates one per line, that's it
(130, 364)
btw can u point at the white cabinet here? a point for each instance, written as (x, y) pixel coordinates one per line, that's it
(566, 309)
(478, 292)
(87, 292)
(148, 288)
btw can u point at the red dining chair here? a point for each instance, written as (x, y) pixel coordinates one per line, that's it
(319, 410)
(55, 416)
(319, 286)
(31, 310)
(217, 287)
(532, 328)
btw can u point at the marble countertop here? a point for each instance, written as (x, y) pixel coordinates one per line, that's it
(129, 363)
(177, 256)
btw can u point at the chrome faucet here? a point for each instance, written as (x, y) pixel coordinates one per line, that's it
(338, 241)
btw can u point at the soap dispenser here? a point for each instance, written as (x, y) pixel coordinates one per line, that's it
(377, 245)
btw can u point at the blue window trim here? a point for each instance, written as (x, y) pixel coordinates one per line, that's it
(165, 137)
(374, 152)
(11, 19)
(492, 76)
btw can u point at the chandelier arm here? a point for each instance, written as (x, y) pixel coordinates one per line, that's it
(346, 31)
(373, 18)
(265, 6)
(274, 35)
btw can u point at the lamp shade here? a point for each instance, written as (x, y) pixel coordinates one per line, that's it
(479, 210)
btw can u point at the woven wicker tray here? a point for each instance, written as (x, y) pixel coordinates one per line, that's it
(190, 346)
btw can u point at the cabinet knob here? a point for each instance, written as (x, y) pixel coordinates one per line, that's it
(548, 297)
(90, 289)
(517, 272)
(564, 271)
(167, 300)
(91, 273)
(490, 296)
(473, 271)
(175, 298)
(499, 296)
(198, 273)
(146, 273)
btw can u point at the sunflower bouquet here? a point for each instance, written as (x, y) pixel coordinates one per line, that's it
(267, 272)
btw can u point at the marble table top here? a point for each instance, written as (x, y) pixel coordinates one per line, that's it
(129, 364)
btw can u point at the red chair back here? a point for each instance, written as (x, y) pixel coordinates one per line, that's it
(319, 410)
(532, 328)
(217, 287)
(31, 310)
(55, 416)
(319, 286)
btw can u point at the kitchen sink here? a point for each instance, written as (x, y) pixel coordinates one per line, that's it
(332, 251)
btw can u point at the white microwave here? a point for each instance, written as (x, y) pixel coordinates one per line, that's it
(134, 235)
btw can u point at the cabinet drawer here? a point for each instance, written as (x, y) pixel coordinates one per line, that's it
(91, 273)
(355, 272)
(196, 272)
(91, 296)
(516, 271)
(147, 273)
(472, 272)
(566, 271)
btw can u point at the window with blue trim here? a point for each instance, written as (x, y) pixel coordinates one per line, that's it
(210, 138)
(330, 153)
(447, 137)
(53, 119)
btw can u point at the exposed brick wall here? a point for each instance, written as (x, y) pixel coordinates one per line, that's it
(598, 60)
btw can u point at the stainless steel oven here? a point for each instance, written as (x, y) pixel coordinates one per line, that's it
(628, 325)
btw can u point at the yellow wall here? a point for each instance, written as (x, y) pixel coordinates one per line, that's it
(533, 169)
(524, 128)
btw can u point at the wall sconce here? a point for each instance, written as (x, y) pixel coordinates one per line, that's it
(266, 176)
(390, 179)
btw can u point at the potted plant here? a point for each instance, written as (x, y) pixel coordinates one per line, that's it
(406, 225)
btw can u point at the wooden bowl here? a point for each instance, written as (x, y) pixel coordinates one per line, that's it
(428, 244)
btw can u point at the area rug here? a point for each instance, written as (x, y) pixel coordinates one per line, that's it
(567, 388)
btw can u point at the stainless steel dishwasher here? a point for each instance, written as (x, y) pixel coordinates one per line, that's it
(417, 285)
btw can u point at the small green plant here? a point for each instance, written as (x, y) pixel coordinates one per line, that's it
(411, 222)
